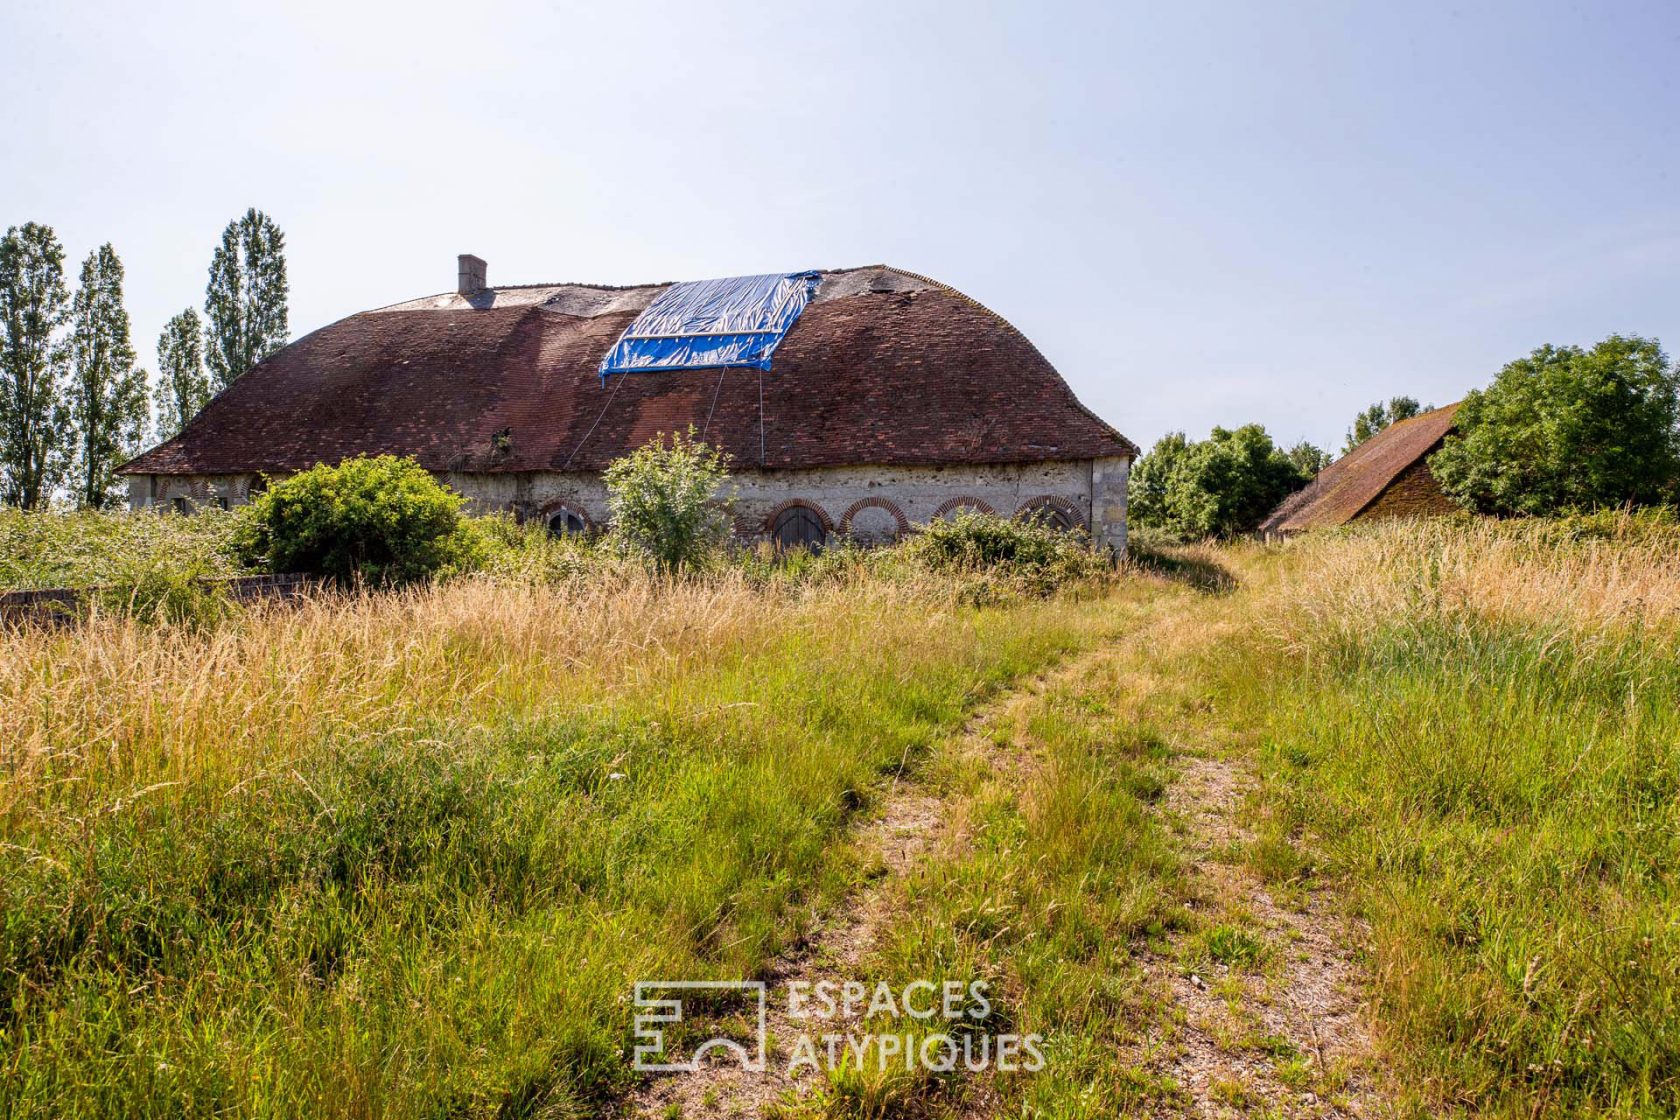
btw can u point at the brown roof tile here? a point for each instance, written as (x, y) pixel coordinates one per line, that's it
(1350, 484)
(884, 367)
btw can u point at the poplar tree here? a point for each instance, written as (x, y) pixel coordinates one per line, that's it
(33, 309)
(182, 389)
(107, 394)
(245, 301)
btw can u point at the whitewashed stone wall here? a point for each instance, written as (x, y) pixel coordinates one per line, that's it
(871, 503)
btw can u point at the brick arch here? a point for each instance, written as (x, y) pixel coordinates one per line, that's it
(961, 503)
(1075, 514)
(887, 504)
(769, 523)
(549, 509)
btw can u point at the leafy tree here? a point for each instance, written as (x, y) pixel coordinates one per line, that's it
(380, 521)
(1380, 416)
(1146, 489)
(1309, 458)
(33, 309)
(1568, 429)
(245, 301)
(1220, 486)
(107, 392)
(664, 501)
(182, 389)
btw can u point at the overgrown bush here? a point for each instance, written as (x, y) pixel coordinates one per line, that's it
(167, 594)
(664, 499)
(1026, 556)
(1568, 429)
(88, 548)
(378, 521)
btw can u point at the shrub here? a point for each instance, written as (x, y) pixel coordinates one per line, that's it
(664, 502)
(1017, 556)
(379, 520)
(168, 594)
(1568, 429)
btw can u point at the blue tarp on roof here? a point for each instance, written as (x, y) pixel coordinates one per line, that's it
(707, 324)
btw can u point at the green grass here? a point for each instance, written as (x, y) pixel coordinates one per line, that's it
(1478, 730)
(404, 856)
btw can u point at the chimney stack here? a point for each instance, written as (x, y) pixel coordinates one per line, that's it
(470, 275)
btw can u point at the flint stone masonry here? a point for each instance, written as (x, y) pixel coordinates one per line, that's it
(882, 502)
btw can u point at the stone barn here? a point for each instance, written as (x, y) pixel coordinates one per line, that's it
(1386, 476)
(856, 403)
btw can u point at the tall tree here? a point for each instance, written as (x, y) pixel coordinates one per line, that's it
(182, 387)
(245, 301)
(33, 309)
(1380, 416)
(107, 391)
(1567, 428)
(1220, 486)
(1309, 457)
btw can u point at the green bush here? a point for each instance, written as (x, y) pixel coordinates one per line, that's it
(1012, 556)
(1568, 429)
(379, 521)
(89, 548)
(664, 502)
(1221, 486)
(167, 594)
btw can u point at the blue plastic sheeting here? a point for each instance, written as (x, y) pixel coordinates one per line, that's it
(708, 324)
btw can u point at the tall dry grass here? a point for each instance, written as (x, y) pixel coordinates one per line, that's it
(1474, 728)
(403, 854)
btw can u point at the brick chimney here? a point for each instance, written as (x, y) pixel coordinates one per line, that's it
(470, 275)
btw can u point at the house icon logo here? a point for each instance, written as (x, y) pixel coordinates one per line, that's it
(659, 1006)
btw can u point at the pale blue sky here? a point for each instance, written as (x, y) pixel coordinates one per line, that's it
(1202, 213)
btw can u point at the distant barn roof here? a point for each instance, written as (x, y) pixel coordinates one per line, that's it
(884, 367)
(1348, 486)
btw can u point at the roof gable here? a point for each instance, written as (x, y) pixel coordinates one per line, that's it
(1346, 487)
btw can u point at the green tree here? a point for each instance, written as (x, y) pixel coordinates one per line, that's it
(1379, 416)
(381, 521)
(664, 501)
(1146, 489)
(1220, 486)
(34, 306)
(107, 392)
(1568, 429)
(1309, 458)
(245, 302)
(182, 389)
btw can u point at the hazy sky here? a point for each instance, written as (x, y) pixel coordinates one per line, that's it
(1202, 213)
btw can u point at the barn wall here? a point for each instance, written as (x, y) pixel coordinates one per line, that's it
(1413, 493)
(870, 502)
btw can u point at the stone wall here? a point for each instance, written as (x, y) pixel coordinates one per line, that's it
(873, 504)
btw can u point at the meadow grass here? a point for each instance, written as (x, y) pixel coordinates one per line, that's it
(405, 854)
(1475, 729)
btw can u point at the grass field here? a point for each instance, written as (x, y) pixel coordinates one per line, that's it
(403, 855)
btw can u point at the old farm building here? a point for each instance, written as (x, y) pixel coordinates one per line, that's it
(1386, 476)
(856, 402)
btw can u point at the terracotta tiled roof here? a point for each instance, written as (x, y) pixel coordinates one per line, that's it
(884, 367)
(1350, 484)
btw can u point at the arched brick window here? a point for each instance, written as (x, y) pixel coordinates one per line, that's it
(799, 524)
(565, 520)
(1052, 510)
(961, 505)
(874, 521)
